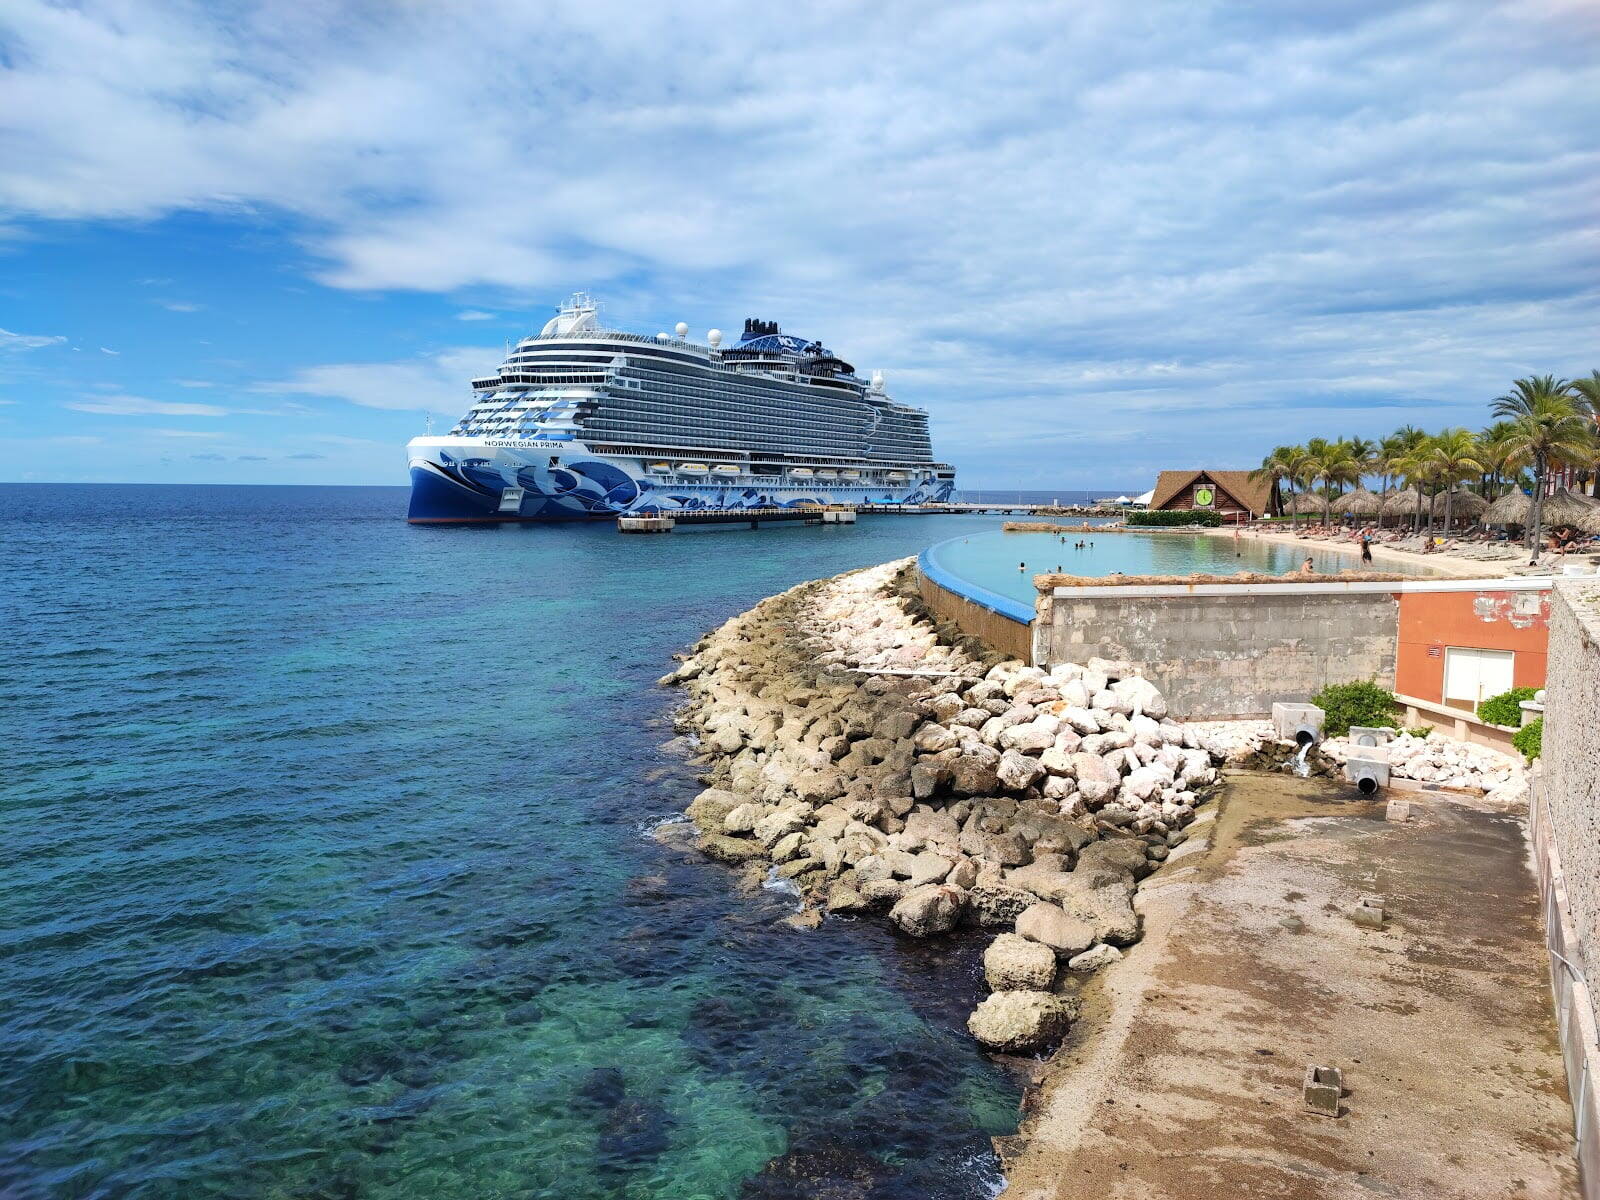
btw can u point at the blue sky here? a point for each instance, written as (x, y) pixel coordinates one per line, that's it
(256, 243)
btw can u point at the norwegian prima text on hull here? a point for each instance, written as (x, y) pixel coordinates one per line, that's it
(583, 421)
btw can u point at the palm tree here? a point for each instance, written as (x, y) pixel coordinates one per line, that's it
(1365, 454)
(1394, 451)
(1497, 456)
(1416, 467)
(1588, 393)
(1548, 429)
(1284, 465)
(1332, 463)
(1453, 455)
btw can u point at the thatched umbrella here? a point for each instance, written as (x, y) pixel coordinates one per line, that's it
(1402, 503)
(1513, 508)
(1590, 521)
(1358, 503)
(1564, 508)
(1305, 502)
(1464, 504)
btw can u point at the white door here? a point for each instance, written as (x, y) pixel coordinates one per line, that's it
(1474, 675)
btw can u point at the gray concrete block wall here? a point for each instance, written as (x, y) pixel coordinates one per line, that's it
(1228, 656)
(1571, 754)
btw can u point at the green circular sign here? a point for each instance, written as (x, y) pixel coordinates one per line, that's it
(1204, 496)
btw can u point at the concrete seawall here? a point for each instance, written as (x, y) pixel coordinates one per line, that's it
(1231, 654)
(1565, 827)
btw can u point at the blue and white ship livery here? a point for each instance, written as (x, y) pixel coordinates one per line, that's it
(584, 422)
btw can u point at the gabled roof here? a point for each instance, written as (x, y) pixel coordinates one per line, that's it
(1254, 494)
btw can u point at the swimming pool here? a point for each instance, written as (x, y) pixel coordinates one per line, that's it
(996, 569)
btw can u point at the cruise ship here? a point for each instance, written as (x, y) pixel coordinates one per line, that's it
(584, 422)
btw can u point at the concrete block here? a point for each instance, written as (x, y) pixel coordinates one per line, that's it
(1368, 769)
(1366, 735)
(1397, 810)
(1369, 913)
(1322, 1088)
(1293, 721)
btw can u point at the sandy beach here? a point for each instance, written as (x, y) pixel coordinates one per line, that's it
(1443, 564)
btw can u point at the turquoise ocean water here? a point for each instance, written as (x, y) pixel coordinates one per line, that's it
(328, 873)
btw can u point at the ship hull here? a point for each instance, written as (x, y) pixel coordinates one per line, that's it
(463, 481)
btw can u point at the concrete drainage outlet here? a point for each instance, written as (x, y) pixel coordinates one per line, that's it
(1368, 769)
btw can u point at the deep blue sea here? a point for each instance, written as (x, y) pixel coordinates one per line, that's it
(329, 873)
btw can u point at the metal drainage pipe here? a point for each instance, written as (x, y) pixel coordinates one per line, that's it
(1306, 735)
(1367, 784)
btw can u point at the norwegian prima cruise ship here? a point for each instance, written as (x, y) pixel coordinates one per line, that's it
(583, 422)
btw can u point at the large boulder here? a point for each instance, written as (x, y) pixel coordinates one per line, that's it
(925, 826)
(1013, 963)
(711, 807)
(1020, 1022)
(1106, 912)
(1045, 880)
(1066, 934)
(1017, 771)
(1031, 737)
(1139, 695)
(972, 772)
(927, 910)
(729, 849)
(995, 905)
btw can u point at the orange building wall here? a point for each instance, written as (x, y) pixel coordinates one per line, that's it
(1487, 620)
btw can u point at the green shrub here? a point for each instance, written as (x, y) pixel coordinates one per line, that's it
(1530, 739)
(1506, 708)
(1360, 703)
(1198, 516)
(1420, 731)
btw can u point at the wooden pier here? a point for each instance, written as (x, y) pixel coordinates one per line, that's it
(754, 517)
(833, 514)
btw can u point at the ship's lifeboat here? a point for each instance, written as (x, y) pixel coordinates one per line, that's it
(802, 472)
(693, 468)
(827, 473)
(898, 476)
(660, 466)
(724, 469)
(850, 474)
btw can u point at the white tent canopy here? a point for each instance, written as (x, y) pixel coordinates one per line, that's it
(1146, 498)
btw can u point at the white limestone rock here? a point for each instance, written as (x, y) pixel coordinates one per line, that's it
(1013, 963)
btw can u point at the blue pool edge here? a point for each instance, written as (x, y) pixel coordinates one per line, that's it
(1005, 606)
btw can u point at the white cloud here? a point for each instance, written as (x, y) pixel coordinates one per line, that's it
(106, 350)
(1027, 213)
(181, 306)
(475, 314)
(437, 382)
(135, 406)
(185, 433)
(28, 341)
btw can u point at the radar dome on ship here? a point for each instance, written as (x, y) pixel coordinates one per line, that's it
(714, 338)
(681, 328)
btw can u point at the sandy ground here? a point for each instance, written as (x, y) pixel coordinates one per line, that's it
(1444, 564)
(1183, 1078)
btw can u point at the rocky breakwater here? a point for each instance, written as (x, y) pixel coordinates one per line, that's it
(974, 792)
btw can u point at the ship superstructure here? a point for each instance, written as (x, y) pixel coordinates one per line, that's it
(581, 421)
